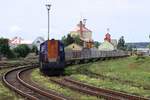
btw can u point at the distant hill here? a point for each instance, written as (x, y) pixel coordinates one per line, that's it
(138, 44)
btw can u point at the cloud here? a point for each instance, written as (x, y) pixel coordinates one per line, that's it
(43, 30)
(14, 29)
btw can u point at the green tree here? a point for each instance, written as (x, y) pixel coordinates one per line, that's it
(130, 47)
(34, 49)
(4, 47)
(77, 40)
(22, 50)
(64, 40)
(69, 40)
(121, 44)
(96, 44)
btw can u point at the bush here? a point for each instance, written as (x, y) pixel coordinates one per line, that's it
(34, 49)
(22, 50)
(11, 54)
(4, 47)
(71, 39)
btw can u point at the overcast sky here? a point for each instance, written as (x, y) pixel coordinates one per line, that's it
(28, 18)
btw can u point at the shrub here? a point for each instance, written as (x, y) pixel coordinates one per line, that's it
(4, 47)
(34, 49)
(22, 50)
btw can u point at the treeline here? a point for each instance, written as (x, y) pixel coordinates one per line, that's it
(21, 50)
(67, 40)
(124, 46)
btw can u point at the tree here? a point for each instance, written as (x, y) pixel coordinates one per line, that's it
(34, 49)
(77, 40)
(22, 50)
(69, 40)
(130, 47)
(64, 40)
(121, 44)
(4, 47)
(96, 44)
(11, 54)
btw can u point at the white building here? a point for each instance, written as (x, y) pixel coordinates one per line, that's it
(14, 42)
(114, 43)
(83, 32)
(145, 51)
(106, 46)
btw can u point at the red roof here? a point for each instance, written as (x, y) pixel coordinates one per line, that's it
(84, 29)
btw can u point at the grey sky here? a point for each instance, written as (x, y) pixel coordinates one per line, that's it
(28, 18)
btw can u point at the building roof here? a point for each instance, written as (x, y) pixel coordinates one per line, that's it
(18, 40)
(86, 34)
(84, 29)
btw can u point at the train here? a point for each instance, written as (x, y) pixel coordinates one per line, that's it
(53, 58)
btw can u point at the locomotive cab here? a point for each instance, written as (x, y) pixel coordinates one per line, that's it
(52, 57)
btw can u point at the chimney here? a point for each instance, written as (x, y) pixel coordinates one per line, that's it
(81, 29)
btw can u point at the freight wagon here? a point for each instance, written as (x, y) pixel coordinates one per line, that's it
(53, 58)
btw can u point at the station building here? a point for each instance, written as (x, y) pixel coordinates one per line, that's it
(84, 33)
(108, 44)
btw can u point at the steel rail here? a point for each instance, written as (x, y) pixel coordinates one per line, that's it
(84, 90)
(13, 80)
(4, 78)
(47, 94)
(111, 92)
(95, 91)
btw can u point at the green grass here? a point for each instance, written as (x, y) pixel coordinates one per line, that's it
(16, 62)
(130, 75)
(129, 69)
(44, 82)
(108, 84)
(125, 69)
(6, 94)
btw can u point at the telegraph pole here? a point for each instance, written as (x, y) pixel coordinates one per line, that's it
(48, 6)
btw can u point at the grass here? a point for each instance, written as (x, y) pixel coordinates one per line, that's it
(16, 62)
(108, 84)
(6, 94)
(130, 69)
(131, 75)
(44, 82)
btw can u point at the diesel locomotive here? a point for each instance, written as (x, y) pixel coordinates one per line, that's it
(53, 58)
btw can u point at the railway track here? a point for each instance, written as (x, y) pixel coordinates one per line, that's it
(99, 92)
(14, 80)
